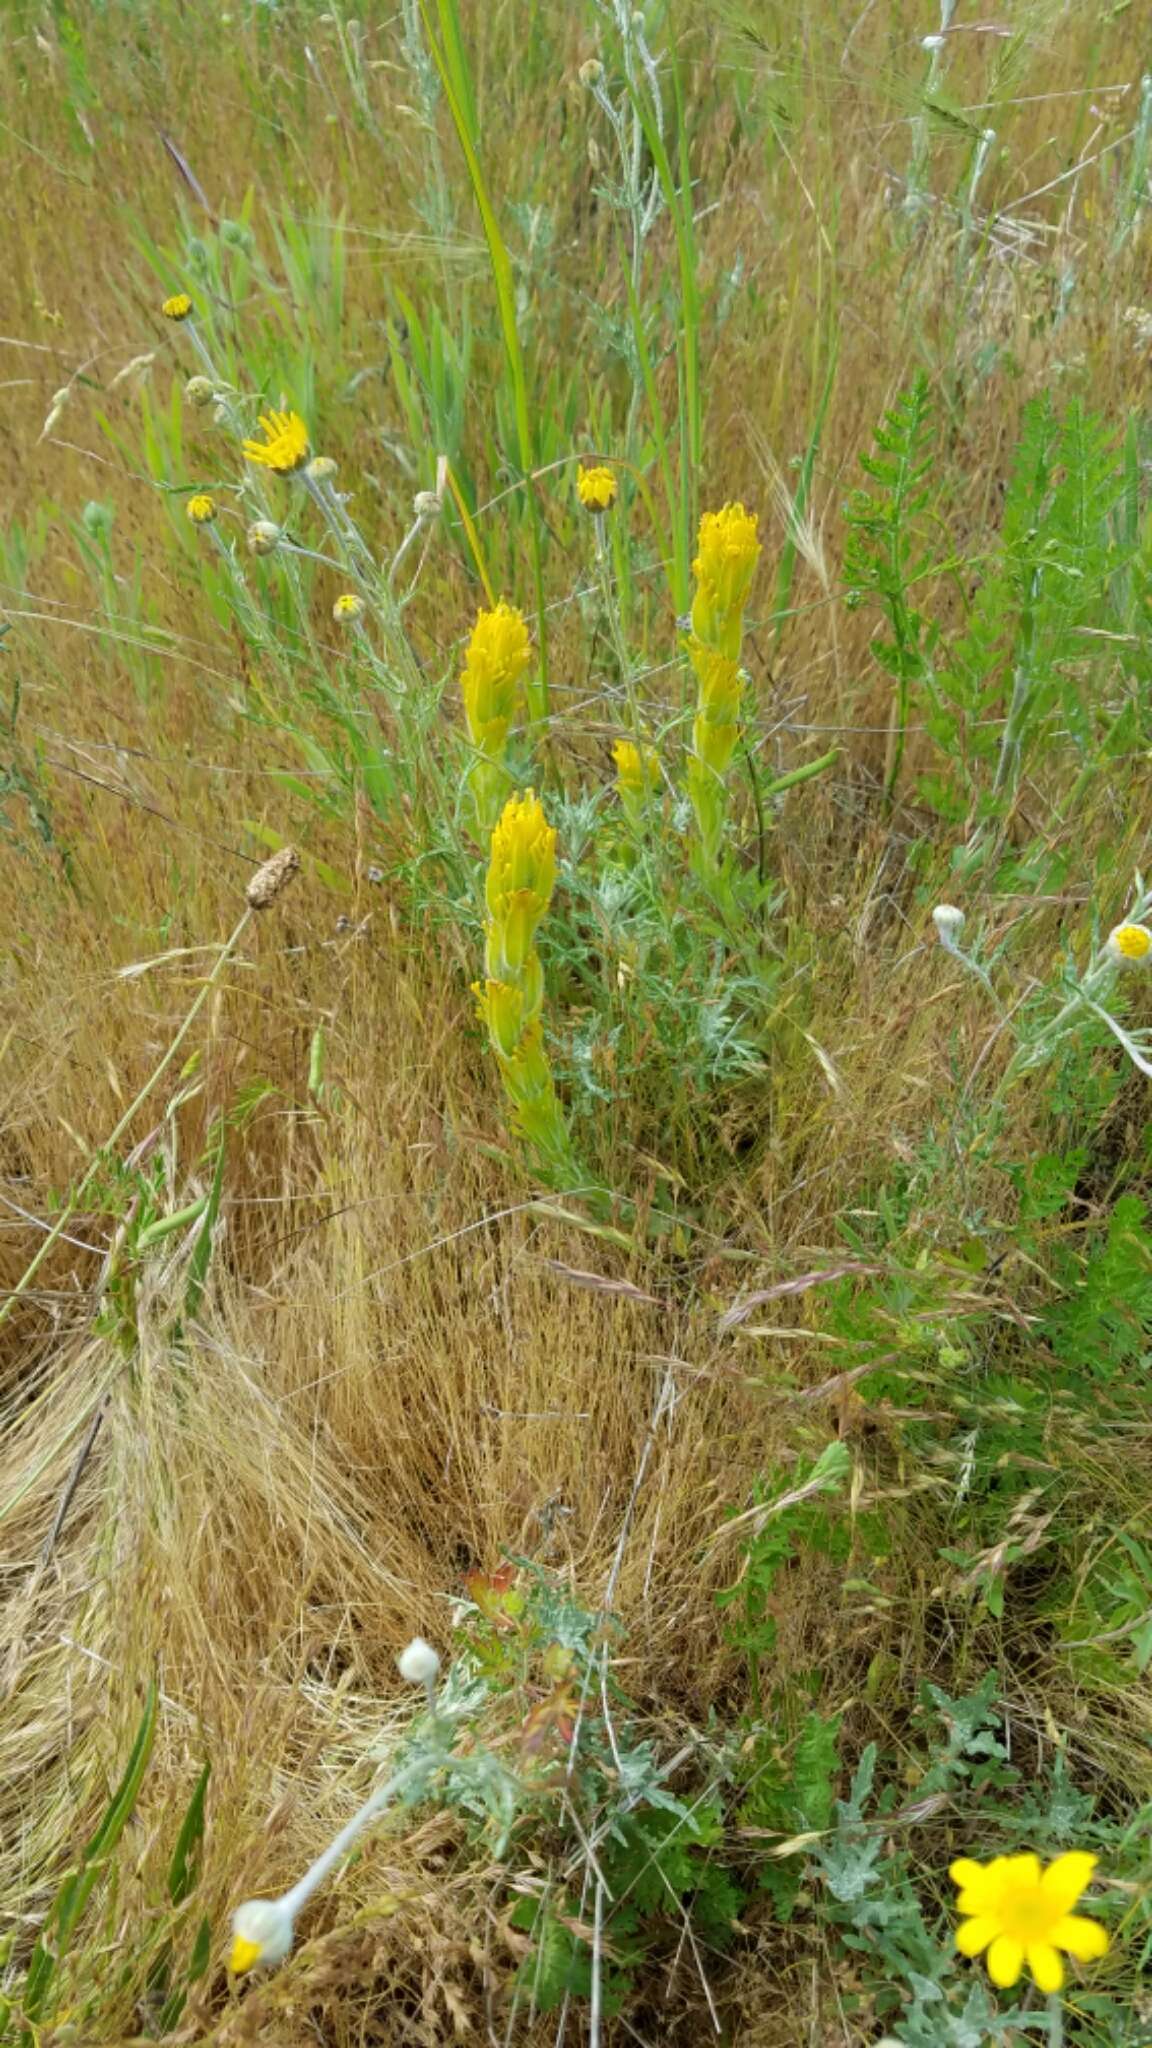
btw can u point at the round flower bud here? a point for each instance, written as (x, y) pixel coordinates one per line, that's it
(263, 537)
(177, 307)
(1129, 945)
(419, 1663)
(591, 72)
(262, 1932)
(347, 607)
(201, 509)
(199, 391)
(949, 923)
(427, 507)
(321, 468)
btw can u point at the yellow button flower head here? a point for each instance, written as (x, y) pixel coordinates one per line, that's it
(729, 549)
(521, 878)
(177, 307)
(1023, 1916)
(201, 509)
(347, 607)
(596, 488)
(497, 656)
(285, 443)
(1129, 945)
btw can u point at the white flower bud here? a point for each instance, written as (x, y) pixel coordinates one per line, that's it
(949, 923)
(263, 537)
(419, 1663)
(262, 1932)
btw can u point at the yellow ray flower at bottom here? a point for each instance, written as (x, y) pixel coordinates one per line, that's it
(1022, 1916)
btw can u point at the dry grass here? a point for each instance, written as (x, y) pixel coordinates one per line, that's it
(392, 1379)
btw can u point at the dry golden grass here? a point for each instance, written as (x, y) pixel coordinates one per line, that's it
(392, 1379)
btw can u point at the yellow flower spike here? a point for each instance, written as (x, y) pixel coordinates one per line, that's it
(201, 509)
(522, 866)
(1023, 1916)
(596, 488)
(497, 655)
(177, 307)
(729, 549)
(1129, 945)
(285, 444)
(500, 1006)
(348, 607)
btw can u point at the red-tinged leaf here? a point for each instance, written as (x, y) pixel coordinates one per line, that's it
(551, 1723)
(494, 1593)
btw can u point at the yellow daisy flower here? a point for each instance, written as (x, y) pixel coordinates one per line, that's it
(201, 509)
(1023, 1916)
(177, 307)
(285, 443)
(596, 488)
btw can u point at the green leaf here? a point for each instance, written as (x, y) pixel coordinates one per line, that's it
(184, 1868)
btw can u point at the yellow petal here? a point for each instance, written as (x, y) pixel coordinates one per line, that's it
(977, 1899)
(1005, 1962)
(964, 1872)
(973, 1935)
(244, 1954)
(1020, 1870)
(1045, 1965)
(1084, 1939)
(1064, 1880)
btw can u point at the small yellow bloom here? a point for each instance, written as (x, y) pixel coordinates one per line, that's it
(201, 509)
(1023, 1916)
(177, 307)
(729, 549)
(497, 656)
(1128, 944)
(348, 606)
(636, 772)
(596, 488)
(285, 443)
(244, 1954)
